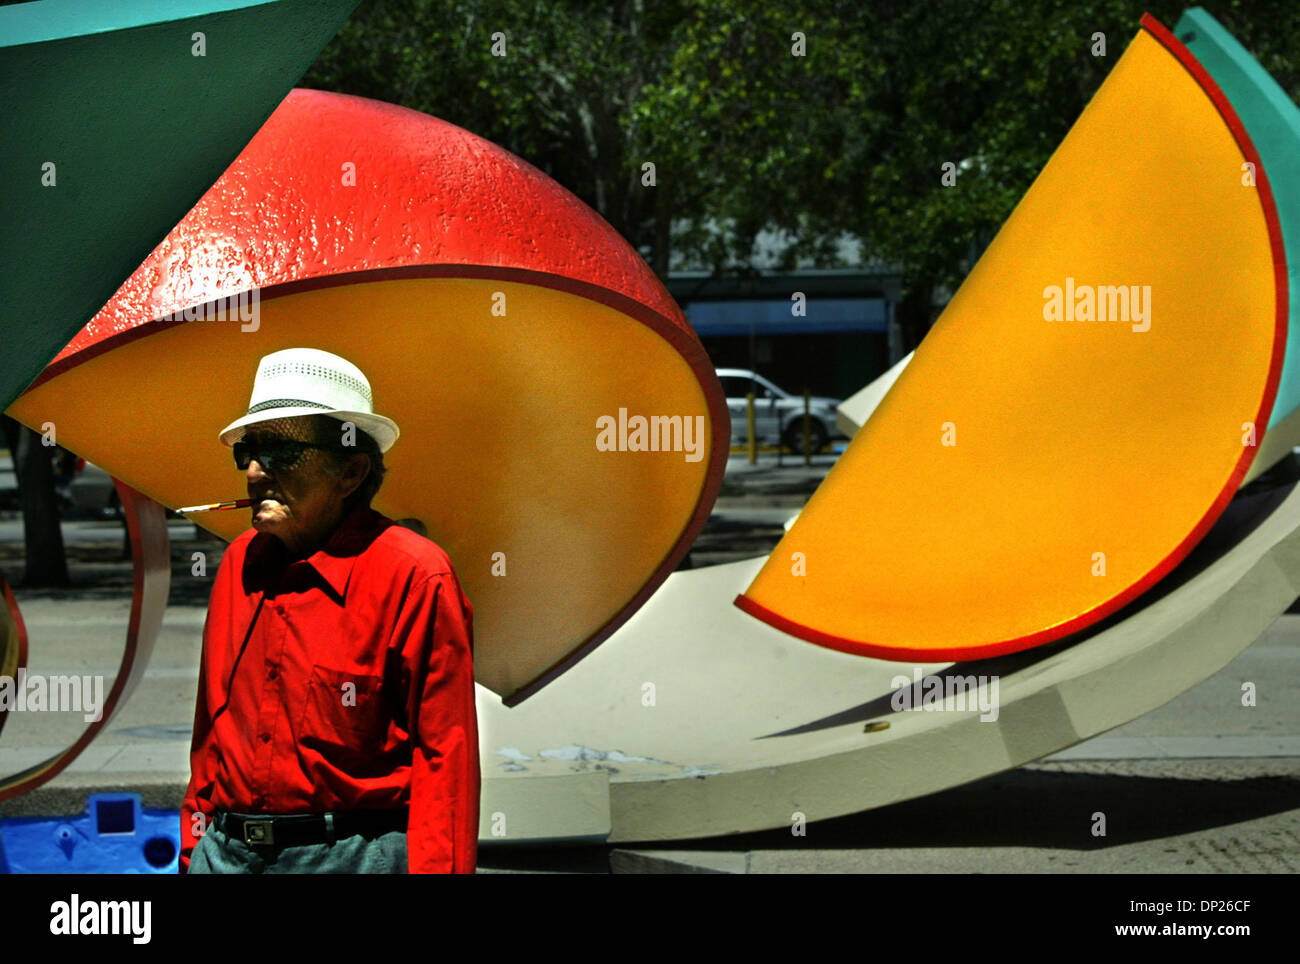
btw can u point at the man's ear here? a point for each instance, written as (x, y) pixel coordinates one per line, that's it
(355, 470)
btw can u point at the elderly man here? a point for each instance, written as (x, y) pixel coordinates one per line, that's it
(335, 728)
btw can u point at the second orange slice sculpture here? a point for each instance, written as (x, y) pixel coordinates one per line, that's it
(1083, 410)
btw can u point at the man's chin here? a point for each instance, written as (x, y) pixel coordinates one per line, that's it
(267, 520)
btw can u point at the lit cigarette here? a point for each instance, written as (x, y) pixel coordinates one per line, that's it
(237, 504)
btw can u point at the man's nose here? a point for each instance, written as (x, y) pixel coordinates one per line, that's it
(255, 472)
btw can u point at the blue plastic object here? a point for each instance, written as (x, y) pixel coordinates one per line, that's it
(115, 836)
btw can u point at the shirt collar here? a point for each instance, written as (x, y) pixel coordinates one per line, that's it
(334, 560)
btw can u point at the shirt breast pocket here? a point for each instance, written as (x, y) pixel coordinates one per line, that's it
(345, 710)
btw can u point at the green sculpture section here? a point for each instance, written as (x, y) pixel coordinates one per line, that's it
(1273, 122)
(118, 117)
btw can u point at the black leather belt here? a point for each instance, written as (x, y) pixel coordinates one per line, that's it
(293, 830)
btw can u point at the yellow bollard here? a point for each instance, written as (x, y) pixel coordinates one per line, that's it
(807, 429)
(749, 419)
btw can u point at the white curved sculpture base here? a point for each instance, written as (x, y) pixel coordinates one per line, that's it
(695, 720)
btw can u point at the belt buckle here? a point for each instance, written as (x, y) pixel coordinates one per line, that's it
(259, 833)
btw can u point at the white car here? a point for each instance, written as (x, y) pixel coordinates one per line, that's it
(778, 415)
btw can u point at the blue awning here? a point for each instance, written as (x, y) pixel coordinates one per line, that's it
(772, 317)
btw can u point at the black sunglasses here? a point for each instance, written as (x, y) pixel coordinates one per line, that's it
(273, 454)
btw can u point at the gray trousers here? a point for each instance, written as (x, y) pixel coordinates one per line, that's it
(219, 853)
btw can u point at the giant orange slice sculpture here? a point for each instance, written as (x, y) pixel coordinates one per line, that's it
(1036, 467)
(558, 415)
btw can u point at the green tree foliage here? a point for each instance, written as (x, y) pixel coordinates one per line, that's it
(849, 138)
(563, 96)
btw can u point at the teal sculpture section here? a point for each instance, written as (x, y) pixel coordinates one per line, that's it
(1273, 122)
(117, 117)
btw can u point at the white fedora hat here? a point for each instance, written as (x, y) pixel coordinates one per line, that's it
(307, 381)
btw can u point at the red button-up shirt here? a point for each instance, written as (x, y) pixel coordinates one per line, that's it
(355, 689)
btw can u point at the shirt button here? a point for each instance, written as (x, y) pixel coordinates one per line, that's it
(266, 737)
(274, 673)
